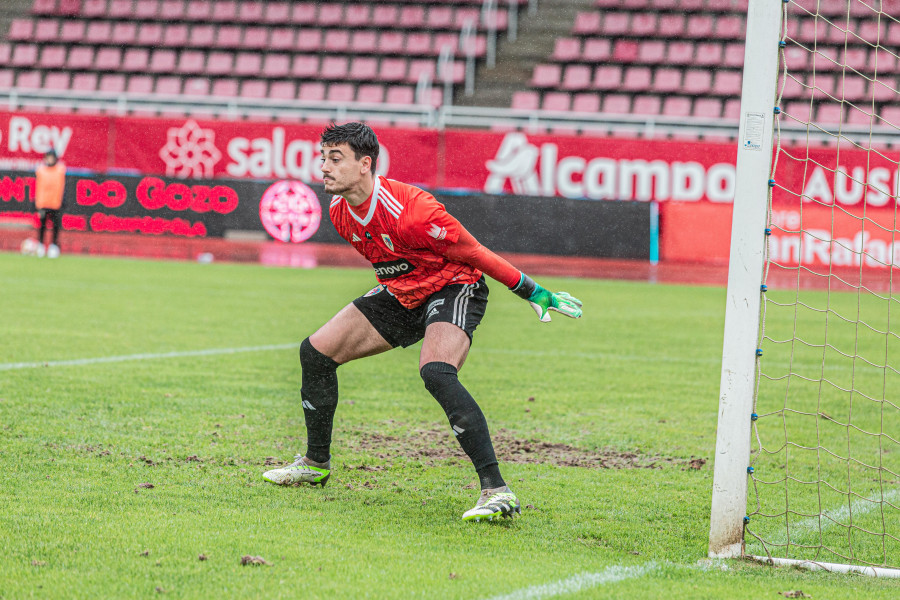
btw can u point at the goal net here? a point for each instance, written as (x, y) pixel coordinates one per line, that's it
(824, 468)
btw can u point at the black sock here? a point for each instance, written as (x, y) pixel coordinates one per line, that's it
(466, 420)
(319, 393)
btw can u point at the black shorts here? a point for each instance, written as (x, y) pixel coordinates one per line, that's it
(460, 304)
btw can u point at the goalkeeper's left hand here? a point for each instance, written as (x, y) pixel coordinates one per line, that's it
(543, 301)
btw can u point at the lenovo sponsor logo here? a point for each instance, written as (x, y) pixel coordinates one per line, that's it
(539, 171)
(390, 270)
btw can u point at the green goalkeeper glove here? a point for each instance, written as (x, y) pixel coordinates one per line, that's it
(543, 301)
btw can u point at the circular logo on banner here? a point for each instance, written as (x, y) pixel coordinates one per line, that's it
(290, 211)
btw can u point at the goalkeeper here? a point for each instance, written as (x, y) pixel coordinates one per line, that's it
(431, 288)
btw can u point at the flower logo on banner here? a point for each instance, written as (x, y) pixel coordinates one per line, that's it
(290, 211)
(190, 151)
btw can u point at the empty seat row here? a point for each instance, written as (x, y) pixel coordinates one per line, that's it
(219, 63)
(868, 61)
(618, 103)
(224, 88)
(840, 31)
(637, 79)
(644, 24)
(253, 38)
(836, 113)
(323, 14)
(689, 6)
(651, 52)
(848, 87)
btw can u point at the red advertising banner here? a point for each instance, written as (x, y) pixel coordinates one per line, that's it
(25, 137)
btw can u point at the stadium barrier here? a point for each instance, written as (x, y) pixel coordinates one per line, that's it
(292, 212)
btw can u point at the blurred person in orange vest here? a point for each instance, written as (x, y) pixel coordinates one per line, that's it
(50, 182)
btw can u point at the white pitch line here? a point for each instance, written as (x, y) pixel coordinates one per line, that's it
(128, 357)
(577, 583)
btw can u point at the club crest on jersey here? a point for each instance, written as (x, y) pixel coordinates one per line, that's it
(387, 241)
(368, 236)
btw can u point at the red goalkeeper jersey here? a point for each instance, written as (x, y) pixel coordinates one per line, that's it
(404, 232)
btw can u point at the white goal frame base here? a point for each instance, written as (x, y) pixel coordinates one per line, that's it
(831, 567)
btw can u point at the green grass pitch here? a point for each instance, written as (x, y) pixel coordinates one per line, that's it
(597, 423)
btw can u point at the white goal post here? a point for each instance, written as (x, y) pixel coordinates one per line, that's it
(745, 274)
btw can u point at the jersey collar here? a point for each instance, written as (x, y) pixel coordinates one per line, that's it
(373, 202)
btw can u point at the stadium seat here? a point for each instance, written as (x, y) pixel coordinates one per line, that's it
(145, 10)
(525, 100)
(637, 79)
(276, 66)
(306, 66)
(399, 94)
(727, 83)
(615, 24)
(370, 93)
(168, 86)
(853, 88)
(671, 26)
(28, 80)
(84, 82)
(363, 42)
(420, 67)
(57, 81)
(277, 13)
(418, 44)
(72, 31)
(676, 106)
(135, 60)
(385, 15)
(618, 104)
(707, 108)
(196, 86)
(224, 12)
(7, 77)
(859, 116)
(566, 49)
(341, 93)
(251, 12)
(625, 51)
(112, 83)
(124, 34)
(732, 110)
(46, 30)
(681, 53)
(699, 27)
(119, 9)
(831, 114)
(255, 38)
(734, 55)
(330, 15)
(224, 88)
(391, 42)
(439, 17)
(220, 63)
(794, 88)
(150, 35)
(412, 17)
(667, 80)
(647, 105)
(889, 117)
(556, 101)
(282, 90)
(229, 36)
(162, 61)
(309, 40)
(80, 58)
(871, 30)
(247, 64)
(282, 38)
(597, 50)
(364, 68)
(709, 54)
(858, 59)
(191, 62)
(607, 77)
(68, 8)
(108, 59)
(883, 89)
(651, 52)
(202, 36)
(24, 55)
(172, 10)
(586, 102)
(313, 91)
(587, 23)
(334, 67)
(545, 76)
(43, 7)
(697, 82)
(643, 25)
(254, 88)
(729, 28)
(577, 78)
(52, 57)
(99, 32)
(198, 10)
(336, 41)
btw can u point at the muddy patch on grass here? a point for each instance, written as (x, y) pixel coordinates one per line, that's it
(432, 444)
